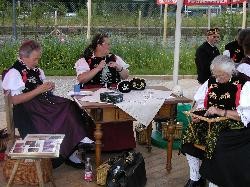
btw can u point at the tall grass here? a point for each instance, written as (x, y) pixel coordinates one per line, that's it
(145, 55)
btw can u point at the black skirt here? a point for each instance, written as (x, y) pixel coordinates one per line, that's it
(230, 166)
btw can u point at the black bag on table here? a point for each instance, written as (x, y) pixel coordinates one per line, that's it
(128, 170)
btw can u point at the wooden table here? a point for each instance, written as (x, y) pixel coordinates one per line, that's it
(102, 113)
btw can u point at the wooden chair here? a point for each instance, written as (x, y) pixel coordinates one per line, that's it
(9, 117)
(9, 112)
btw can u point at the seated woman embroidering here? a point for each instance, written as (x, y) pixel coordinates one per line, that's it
(99, 68)
(230, 164)
(36, 110)
(220, 95)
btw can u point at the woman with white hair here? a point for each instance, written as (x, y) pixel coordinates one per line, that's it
(230, 164)
(219, 95)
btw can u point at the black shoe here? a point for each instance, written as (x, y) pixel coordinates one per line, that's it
(200, 183)
(75, 165)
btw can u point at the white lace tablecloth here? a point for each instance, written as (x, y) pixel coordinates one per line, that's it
(142, 105)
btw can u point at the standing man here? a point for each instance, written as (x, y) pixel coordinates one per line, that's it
(205, 54)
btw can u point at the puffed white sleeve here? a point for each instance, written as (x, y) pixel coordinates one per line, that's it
(244, 105)
(81, 66)
(226, 53)
(200, 95)
(121, 62)
(244, 68)
(42, 75)
(13, 82)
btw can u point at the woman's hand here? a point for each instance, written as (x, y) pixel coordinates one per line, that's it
(195, 120)
(101, 65)
(115, 65)
(45, 87)
(213, 110)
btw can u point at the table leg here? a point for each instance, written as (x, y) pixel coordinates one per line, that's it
(171, 129)
(13, 173)
(39, 172)
(149, 133)
(98, 144)
(52, 181)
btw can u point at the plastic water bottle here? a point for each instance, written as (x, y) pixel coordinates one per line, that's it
(88, 172)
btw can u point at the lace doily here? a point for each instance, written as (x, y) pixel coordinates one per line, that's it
(143, 105)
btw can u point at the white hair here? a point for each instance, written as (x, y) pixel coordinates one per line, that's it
(223, 63)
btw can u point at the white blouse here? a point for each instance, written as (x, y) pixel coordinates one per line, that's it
(82, 66)
(244, 104)
(14, 83)
(244, 68)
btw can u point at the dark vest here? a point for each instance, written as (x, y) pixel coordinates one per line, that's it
(31, 77)
(108, 75)
(236, 51)
(224, 96)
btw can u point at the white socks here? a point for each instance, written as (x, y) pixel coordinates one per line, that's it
(194, 167)
(86, 140)
(212, 185)
(74, 157)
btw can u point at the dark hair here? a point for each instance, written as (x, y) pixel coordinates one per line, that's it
(242, 35)
(246, 44)
(97, 39)
(28, 47)
(213, 31)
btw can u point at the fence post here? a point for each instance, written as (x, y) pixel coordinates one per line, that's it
(244, 15)
(14, 20)
(139, 21)
(89, 19)
(165, 17)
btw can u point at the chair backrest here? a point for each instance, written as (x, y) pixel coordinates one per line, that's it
(9, 112)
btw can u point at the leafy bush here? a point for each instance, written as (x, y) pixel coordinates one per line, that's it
(144, 55)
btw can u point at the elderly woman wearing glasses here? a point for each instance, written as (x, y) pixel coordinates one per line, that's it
(220, 95)
(100, 68)
(230, 164)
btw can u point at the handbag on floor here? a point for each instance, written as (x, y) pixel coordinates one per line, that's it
(127, 171)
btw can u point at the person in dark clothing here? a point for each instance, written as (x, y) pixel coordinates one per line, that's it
(36, 110)
(244, 66)
(205, 54)
(234, 50)
(100, 68)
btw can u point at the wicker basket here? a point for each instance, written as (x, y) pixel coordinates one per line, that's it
(101, 173)
(141, 134)
(26, 172)
(177, 133)
(4, 138)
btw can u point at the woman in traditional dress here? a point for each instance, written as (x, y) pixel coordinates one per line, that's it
(244, 66)
(218, 95)
(37, 110)
(230, 164)
(100, 68)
